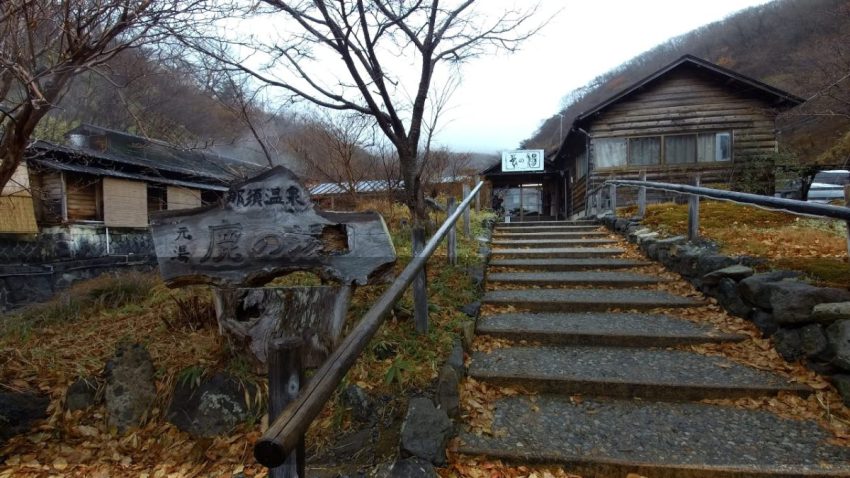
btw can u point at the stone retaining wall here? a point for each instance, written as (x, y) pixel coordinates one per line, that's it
(35, 267)
(806, 323)
(28, 284)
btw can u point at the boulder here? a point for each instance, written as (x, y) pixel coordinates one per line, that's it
(18, 412)
(709, 263)
(408, 468)
(736, 272)
(130, 386)
(467, 330)
(358, 401)
(455, 359)
(476, 274)
(813, 341)
(216, 406)
(842, 384)
(472, 309)
(756, 288)
(425, 431)
(81, 394)
(448, 391)
(789, 344)
(765, 322)
(620, 224)
(838, 336)
(728, 297)
(792, 302)
(830, 312)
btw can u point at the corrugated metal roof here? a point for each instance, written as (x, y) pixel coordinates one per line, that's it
(120, 174)
(371, 186)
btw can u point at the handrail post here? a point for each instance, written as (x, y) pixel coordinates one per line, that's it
(285, 378)
(642, 195)
(612, 194)
(477, 196)
(451, 242)
(693, 213)
(598, 206)
(467, 232)
(847, 204)
(420, 286)
(284, 433)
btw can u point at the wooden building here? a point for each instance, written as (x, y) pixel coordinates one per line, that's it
(690, 117)
(527, 195)
(106, 178)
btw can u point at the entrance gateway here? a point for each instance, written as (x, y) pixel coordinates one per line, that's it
(527, 187)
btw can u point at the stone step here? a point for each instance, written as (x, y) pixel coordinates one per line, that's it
(623, 372)
(606, 279)
(598, 437)
(547, 229)
(585, 300)
(556, 264)
(547, 223)
(566, 252)
(549, 243)
(548, 235)
(602, 329)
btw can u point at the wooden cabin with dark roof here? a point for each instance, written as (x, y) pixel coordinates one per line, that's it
(690, 117)
(107, 178)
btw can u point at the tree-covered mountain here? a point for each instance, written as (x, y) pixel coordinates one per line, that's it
(801, 46)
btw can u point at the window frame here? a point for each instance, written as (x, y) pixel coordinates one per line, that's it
(663, 150)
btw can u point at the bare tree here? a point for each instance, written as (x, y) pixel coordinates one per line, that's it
(364, 39)
(45, 44)
(333, 147)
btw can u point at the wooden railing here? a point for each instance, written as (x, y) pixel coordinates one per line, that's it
(286, 432)
(793, 206)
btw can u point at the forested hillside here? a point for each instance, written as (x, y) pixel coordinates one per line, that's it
(801, 46)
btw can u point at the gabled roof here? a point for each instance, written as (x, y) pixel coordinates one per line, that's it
(156, 155)
(779, 97)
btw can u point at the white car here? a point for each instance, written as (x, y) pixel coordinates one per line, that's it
(828, 186)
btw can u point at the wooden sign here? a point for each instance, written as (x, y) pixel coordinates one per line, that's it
(256, 316)
(266, 227)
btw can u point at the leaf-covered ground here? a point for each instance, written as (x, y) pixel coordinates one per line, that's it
(817, 247)
(47, 347)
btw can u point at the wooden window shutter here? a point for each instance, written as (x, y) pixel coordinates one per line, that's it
(125, 203)
(183, 198)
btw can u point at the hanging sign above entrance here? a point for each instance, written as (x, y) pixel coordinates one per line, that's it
(522, 160)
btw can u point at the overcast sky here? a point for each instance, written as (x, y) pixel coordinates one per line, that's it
(503, 99)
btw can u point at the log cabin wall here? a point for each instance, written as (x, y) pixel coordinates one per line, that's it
(685, 106)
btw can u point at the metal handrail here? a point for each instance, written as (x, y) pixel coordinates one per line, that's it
(793, 206)
(284, 434)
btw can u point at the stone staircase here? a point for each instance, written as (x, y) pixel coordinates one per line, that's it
(604, 390)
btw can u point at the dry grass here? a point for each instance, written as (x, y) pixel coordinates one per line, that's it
(816, 247)
(45, 348)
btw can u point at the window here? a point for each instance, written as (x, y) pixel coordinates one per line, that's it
(581, 166)
(680, 149)
(645, 151)
(723, 147)
(610, 153)
(674, 149)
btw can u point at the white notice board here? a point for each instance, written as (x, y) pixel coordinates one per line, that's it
(522, 160)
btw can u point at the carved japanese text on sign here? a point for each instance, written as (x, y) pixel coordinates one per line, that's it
(265, 227)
